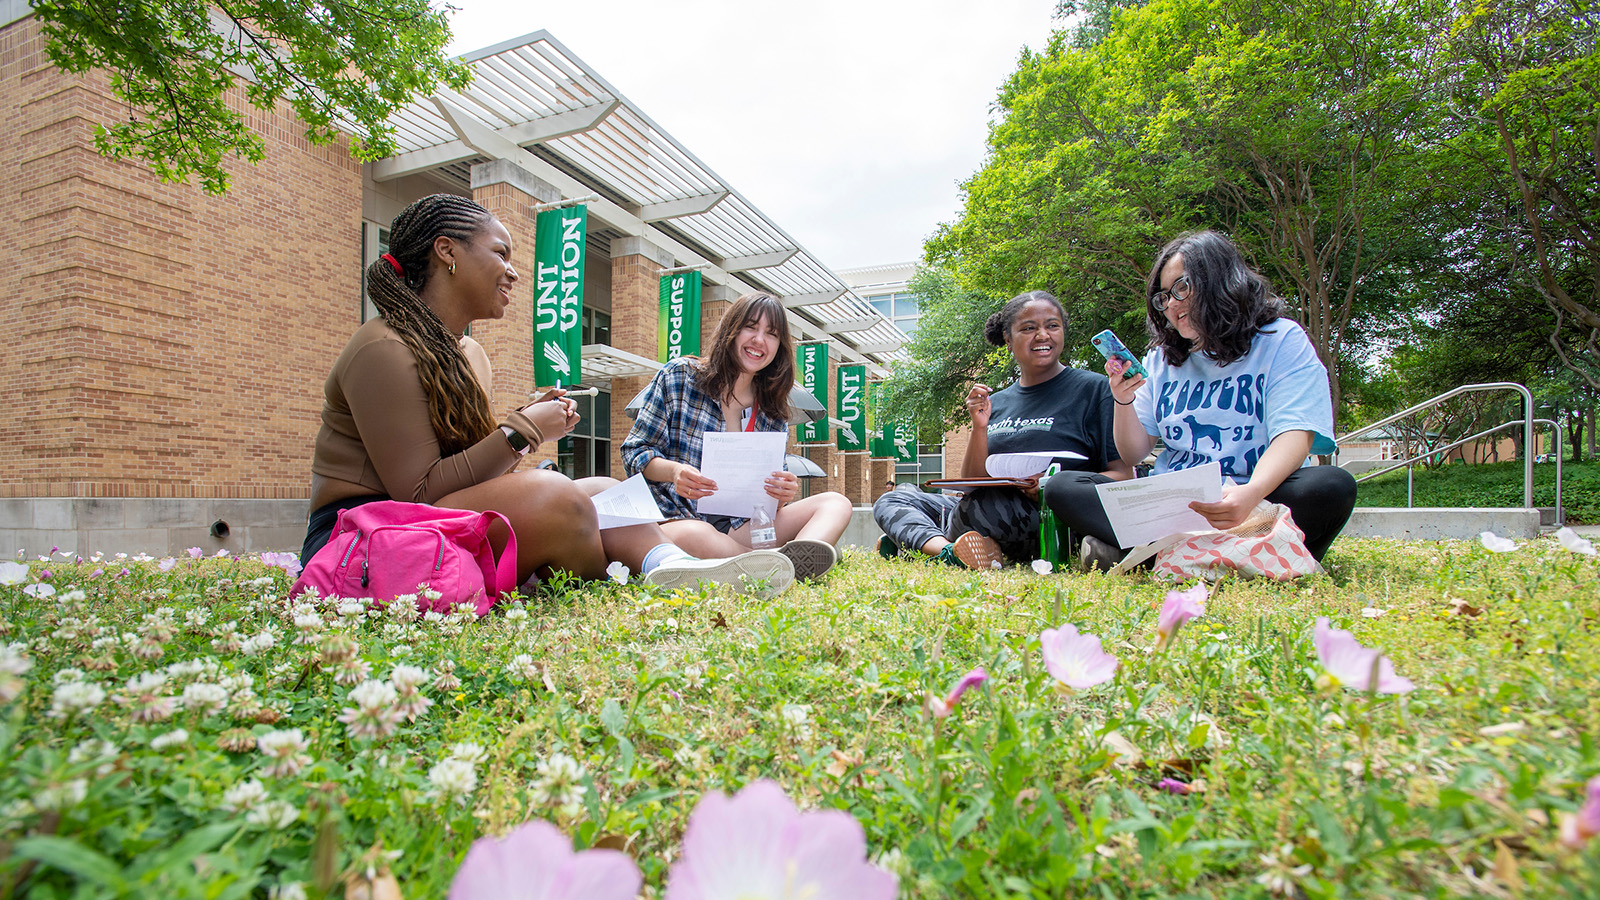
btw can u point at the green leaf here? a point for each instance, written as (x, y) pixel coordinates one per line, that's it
(73, 858)
(613, 718)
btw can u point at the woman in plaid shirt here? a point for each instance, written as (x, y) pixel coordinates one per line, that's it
(743, 384)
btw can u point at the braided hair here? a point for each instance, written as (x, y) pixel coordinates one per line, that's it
(997, 330)
(458, 408)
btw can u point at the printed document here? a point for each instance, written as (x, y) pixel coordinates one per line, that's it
(628, 503)
(1025, 465)
(739, 462)
(1148, 509)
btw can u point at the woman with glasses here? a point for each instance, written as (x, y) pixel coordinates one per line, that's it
(1232, 381)
(1050, 407)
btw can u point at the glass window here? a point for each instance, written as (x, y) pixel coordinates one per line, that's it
(374, 243)
(884, 305)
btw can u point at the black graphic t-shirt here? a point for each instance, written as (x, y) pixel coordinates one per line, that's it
(1071, 411)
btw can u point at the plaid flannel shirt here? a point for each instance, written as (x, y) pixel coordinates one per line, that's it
(671, 424)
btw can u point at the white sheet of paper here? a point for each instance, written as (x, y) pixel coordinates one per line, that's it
(628, 503)
(1025, 465)
(739, 462)
(1148, 509)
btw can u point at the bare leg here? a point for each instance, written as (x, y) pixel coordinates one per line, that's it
(698, 538)
(820, 517)
(934, 545)
(552, 518)
(629, 544)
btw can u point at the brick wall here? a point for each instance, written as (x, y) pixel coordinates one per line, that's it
(162, 342)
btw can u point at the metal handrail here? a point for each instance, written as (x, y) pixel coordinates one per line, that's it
(1527, 422)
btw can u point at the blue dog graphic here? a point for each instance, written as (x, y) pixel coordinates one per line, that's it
(1197, 430)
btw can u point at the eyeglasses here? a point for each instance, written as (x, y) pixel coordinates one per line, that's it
(1180, 290)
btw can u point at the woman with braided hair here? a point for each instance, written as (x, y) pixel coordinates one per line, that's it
(406, 415)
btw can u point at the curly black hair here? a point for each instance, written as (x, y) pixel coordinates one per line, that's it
(1231, 303)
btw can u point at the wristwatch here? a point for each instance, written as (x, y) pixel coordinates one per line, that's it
(515, 439)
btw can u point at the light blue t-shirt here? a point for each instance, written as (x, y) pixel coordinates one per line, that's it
(1206, 412)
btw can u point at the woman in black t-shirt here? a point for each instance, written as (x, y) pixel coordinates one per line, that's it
(1048, 407)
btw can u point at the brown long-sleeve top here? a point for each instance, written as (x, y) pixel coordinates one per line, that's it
(376, 437)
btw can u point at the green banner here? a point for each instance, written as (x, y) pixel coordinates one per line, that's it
(558, 253)
(678, 327)
(851, 395)
(876, 445)
(811, 370)
(901, 441)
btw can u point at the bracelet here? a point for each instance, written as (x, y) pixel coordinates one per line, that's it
(1120, 403)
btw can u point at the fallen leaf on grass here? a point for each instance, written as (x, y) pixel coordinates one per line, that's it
(1505, 866)
(719, 621)
(1124, 753)
(1463, 608)
(1502, 728)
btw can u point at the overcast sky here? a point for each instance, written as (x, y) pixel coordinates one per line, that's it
(849, 122)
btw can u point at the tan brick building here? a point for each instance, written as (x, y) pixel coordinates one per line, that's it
(167, 348)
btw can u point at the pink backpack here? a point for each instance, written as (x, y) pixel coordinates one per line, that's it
(386, 548)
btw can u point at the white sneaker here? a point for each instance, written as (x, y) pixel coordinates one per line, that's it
(765, 573)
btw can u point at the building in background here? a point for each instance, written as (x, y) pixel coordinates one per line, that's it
(167, 349)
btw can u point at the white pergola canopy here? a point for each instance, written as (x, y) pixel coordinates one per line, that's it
(535, 104)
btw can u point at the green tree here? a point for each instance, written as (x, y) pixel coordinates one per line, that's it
(1300, 128)
(1527, 104)
(948, 353)
(342, 67)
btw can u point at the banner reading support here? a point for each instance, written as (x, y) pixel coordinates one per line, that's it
(678, 327)
(559, 248)
(852, 399)
(811, 369)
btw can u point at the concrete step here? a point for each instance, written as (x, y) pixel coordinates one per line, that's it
(1428, 523)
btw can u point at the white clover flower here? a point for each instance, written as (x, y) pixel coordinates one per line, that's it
(289, 890)
(72, 596)
(351, 609)
(196, 618)
(103, 754)
(407, 678)
(61, 797)
(432, 617)
(373, 715)
(205, 696)
(452, 779)
(516, 614)
(66, 676)
(401, 650)
(1279, 877)
(522, 668)
(74, 697)
(238, 681)
(559, 782)
(177, 737)
(796, 714)
(145, 682)
(352, 671)
(285, 750)
(244, 796)
(258, 643)
(445, 679)
(694, 676)
(275, 814)
(428, 593)
(403, 609)
(469, 751)
(688, 757)
(187, 668)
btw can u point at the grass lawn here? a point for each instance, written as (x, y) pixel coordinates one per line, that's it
(130, 743)
(1492, 484)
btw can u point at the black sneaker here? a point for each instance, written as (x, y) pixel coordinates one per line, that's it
(1097, 554)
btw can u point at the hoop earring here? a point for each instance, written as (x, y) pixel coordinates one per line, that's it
(452, 268)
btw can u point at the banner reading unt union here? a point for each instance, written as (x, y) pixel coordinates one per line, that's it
(558, 252)
(678, 328)
(852, 399)
(902, 441)
(811, 369)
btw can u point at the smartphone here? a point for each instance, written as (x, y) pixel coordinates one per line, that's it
(1110, 346)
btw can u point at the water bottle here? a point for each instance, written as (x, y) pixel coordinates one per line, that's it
(763, 526)
(1049, 533)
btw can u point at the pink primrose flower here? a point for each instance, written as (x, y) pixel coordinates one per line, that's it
(756, 844)
(942, 708)
(1577, 828)
(1353, 665)
(1075, 660)
(535, 861)
(1180, 607)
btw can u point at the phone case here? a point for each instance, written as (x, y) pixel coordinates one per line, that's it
(1110, 346)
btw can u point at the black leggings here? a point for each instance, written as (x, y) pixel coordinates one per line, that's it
(1319, 497)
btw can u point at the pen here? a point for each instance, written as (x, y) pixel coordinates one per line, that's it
(578, 392)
